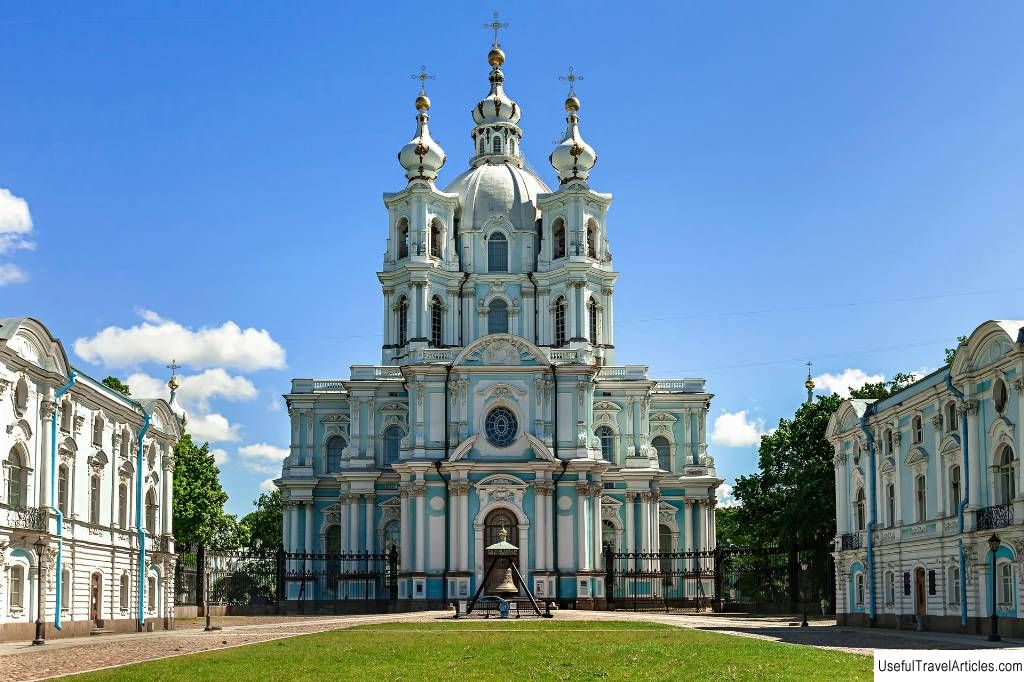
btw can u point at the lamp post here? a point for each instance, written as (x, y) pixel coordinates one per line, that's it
(40, 546)
(993, 544)
(803, 623)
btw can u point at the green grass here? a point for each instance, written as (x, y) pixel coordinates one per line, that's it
(535, 650)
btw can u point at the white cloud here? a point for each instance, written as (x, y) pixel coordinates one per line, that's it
(263, 457)
(160, 340)
(725, 496)
(196, 390)
(212, 427)
(220, 456)
(11, 274)
(15, 228)
(275, 403)
(840, 384)
(735, 430)
(267, 486)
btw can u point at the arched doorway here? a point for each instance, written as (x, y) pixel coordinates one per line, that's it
(495, 521)
(96, 599)
(920, 603)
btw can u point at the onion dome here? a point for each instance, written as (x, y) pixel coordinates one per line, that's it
(422, 157)
(573, 158)
(497, 136)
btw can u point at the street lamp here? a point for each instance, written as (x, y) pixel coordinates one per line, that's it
(40, 546)
(804, 623)
(993, 544)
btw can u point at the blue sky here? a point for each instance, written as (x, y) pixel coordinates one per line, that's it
(838, 182)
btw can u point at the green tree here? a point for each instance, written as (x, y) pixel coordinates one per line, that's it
(883, 389)
(229, 533)
(198, 496)
(115, 384)
(264, 524)
(730, 528)
(951, 352)
(791, 500)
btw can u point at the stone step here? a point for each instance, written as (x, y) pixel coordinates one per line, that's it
(101, 631)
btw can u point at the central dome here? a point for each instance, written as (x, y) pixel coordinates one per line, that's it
(498, 189)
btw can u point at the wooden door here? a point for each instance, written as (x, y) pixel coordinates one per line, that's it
(94, 597)
(920, 603)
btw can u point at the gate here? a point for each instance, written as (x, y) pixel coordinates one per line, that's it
(767, 579)
(364, 581)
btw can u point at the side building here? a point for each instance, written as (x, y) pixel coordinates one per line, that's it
(87, 477)
(926, 481)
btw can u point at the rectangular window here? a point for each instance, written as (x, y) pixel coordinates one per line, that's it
(17, 588)
(151, 594)
(122, 506)
(1006, 583)
(497, 253)
(124, 592)
(65, 593)
(94, 499)
(860, 589)
(62, 490)
(890, 588)
(922, 500)
(954, 585)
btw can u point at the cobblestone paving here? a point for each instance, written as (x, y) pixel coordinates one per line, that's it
(21, 661)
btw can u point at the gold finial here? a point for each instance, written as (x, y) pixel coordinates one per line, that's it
(173, 383)
(503, 533)
(423, 102)
(572, 103)
(496, 57)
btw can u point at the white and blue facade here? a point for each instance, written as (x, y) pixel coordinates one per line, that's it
(498, 401)
(924, 478)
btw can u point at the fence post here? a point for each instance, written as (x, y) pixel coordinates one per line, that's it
(719, 598)
(280, 584)
(609, 577)
(201, 579)
(794, 579)
(393, 573)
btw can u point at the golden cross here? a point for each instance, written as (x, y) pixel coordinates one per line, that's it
(423, 77)
(174, 366)
(496, 26)
(572, 78)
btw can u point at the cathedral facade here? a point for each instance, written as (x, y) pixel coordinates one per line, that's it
(498, 402)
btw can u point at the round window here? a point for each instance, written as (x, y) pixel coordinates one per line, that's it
(501, 427)
(999, 395)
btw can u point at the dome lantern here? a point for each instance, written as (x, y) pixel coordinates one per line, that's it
(496, 135)
(422, 157)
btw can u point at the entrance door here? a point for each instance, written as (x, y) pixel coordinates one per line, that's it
(495, 521)
(920, 605)
(94, 598)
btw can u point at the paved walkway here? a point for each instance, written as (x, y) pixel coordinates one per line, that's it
(20, 661)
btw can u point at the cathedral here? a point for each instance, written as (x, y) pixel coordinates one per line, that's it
(498, 403)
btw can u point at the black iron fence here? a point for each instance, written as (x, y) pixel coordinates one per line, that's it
(731, 578)
(257, 578)
(999, 516)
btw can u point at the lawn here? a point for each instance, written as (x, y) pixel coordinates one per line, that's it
(536, 650)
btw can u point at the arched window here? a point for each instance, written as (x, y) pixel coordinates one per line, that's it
(954, 490)
(332, 460)
(126, 442)
(495, 521)
(592, 319)
(125, 594)
(661, 446)
(402, 235)
(859, 584)
(436, 323)
(16, 591)
(560, 322)
(17, 493)
(609, 537)
(403, 321)
(890, 587)
(918, 427)
(860, 508)
(1000, 396)
(97, 430)
(558, 239)
(332, 540)
(392, 444)
(1006, 475)
(497, 253)
(890, 504)
(151, 508)
(21, 395)
(497, 317)
(122, 505)
(920, 498)
(435, 238)
(94, 499)
(62, 489)
(591, 239)
(512, 146)
(496, 145)
(66, 413)
(483, 145)
(1005, 584)
(607, 438)
(888, 441)
(952, 419)
(151, 593)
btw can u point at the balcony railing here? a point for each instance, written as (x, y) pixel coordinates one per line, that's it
(28, 518)
(850, 541)
(999, 516)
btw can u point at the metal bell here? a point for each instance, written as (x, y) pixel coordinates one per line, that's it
(507, 585)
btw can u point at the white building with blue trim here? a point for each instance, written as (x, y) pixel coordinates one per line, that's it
(924, 478)
(498, 402)
(88, 479)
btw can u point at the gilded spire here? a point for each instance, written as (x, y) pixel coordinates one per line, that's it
(809, 384)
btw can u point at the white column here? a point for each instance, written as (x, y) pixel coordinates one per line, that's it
(167, 497)
(286, 526)
(978, 469)
(421, 522)
(645, 522)
(842, 510)
(630, 522)
(540, 501)
(464, 527)
(309, 526)
(597, 524)
(47, 409)
(294, 525)
(343, 522)
(353, 523)
(582, 562)
(370, 521)
(712, 526)
(406, 537)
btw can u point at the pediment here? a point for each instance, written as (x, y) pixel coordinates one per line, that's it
(917, 455)
(607, 406)
(501, 350)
